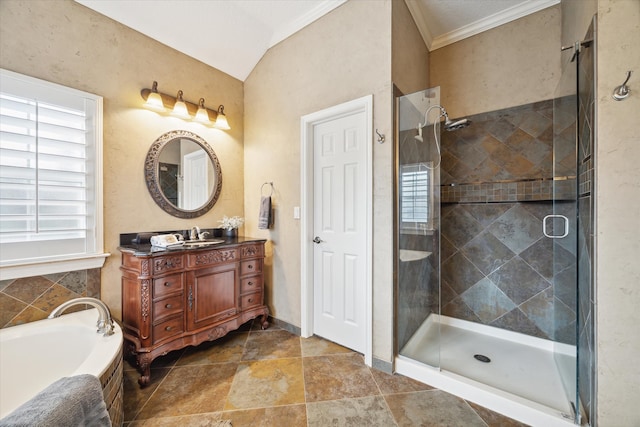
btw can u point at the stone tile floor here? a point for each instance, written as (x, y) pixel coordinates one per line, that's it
(274, 378)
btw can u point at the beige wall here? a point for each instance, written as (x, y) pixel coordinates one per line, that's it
(343, 56)
(576, 17)
(66, 43)
(409, 54)
(617, 213)
(514, 64)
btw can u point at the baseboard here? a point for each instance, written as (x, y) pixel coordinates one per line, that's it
(382, 365)
(285, 325)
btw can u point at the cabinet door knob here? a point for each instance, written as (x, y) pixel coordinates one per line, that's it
(167, 284)
(168, 306)
(250, 283)
(250, 300)
(168, 328)
(250, 266)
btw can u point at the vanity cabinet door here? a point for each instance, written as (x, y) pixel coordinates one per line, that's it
(212, 295)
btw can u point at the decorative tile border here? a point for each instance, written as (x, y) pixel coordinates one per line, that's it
(515, 191)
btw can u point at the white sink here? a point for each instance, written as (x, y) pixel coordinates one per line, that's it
(410, 255)
(201, 243)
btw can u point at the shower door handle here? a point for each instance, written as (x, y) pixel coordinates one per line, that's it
(553, 236)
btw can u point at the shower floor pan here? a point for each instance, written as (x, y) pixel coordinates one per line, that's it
(521, 376)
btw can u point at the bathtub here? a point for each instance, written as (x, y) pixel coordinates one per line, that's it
(37, 354)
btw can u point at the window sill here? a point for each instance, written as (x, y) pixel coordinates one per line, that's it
(50, 267)
(417, 232)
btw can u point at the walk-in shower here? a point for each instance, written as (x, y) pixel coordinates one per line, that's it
(493, 288)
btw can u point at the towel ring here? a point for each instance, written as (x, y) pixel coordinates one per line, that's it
(262, 188)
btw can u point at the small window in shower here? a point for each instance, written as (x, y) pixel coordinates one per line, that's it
(416, 202)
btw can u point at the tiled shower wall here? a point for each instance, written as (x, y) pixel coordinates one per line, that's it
(33, 298)
(497, 186)
(498, 269)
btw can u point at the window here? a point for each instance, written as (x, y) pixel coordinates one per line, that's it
(416, 191)
(50, 177)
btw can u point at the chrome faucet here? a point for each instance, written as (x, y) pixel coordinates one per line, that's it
(195, 233)
(105, 322)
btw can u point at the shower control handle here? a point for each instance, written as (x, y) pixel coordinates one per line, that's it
(317, 240)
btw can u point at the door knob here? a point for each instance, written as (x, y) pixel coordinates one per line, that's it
(317, 240)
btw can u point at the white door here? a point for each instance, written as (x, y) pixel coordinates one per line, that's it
(340, 230)
(196, 180)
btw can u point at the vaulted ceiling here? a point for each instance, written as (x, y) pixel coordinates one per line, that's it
(233, 35)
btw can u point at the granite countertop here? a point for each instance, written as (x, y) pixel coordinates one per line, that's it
(145, 249)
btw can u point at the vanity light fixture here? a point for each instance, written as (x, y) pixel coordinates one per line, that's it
(180, 108)
(221, 120)
(202, 116)
(186, 110)
(154, 100)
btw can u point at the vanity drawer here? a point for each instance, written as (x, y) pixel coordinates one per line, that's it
(168, 328)
(251, 284)
(252, 251)
(168, 306)
(250, 300)
(212, 257)
(251, 267)
(167, 285)
(168, 263)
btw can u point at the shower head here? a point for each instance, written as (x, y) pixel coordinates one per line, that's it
(458, 124)
(449, 125)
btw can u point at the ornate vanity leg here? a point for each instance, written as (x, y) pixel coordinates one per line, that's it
(265, 320)
(129, 350)
(144, 366)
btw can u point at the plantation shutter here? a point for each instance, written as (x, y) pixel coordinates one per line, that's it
(47, 163)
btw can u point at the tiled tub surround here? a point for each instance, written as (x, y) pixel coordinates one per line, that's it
(112, 382)
(32, 298)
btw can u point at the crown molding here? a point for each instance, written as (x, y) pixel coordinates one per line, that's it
(317, 12)
(418, 12)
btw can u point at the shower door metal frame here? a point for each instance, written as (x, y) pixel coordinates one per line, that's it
(583, 177)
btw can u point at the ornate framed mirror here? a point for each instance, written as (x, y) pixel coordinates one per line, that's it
(183, 174)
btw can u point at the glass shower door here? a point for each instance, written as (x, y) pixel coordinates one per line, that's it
(570, 227)
(418, 226)
(560, 228)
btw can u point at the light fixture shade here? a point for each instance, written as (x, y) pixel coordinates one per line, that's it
(221, 120)
(154, 100)
(180, 107)
(202, 116)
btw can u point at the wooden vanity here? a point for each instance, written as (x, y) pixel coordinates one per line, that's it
(180, 297)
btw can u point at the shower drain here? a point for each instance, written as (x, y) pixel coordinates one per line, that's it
(482, 358)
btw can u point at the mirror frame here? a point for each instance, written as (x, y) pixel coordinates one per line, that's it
(152, 177)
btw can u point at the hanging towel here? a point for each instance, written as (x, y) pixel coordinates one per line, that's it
(265, 220)
(71, 401)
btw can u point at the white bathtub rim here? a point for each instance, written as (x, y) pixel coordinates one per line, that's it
(98, 361)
